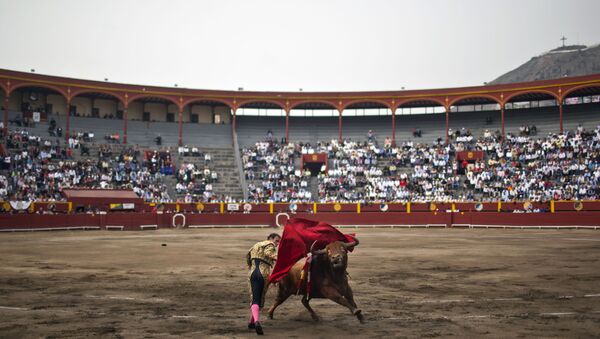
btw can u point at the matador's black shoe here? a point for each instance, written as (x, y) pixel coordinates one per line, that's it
(258, 328)
(251, 326)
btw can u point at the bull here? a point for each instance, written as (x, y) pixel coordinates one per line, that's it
(328, 279)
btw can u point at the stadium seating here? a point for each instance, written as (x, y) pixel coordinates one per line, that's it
(378, 183)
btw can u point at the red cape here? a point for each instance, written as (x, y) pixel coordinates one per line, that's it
(298, 235)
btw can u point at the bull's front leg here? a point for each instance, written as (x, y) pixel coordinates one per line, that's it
(348, 295)
(306, 304)
(282, 295)
(334, 295)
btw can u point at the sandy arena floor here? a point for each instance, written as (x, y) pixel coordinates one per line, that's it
(408, 282)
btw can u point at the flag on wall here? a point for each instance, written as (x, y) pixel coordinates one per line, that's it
(126, 206)
(20, 205)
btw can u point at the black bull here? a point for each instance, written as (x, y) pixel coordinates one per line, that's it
(328, 279)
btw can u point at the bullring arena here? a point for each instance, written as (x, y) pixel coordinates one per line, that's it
(408, 282)
(127, 210)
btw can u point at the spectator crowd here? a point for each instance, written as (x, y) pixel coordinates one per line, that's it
(525, 167)
(563, 166)
(37, 169)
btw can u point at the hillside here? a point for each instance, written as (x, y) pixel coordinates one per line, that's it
(568, 60)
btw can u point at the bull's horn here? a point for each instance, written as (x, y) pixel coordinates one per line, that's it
(317, 252)
(313, 245)
(351, 244)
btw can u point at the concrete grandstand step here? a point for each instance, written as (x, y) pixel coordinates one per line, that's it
(223, 162)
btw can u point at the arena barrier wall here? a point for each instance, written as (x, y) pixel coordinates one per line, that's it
(146, 221)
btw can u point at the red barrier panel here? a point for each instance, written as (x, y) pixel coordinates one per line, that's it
(376, 207)
(146, 219)
(332, 207)
(183, 207)
(305, 208)
(24, 221)
(129, 221)
(573, 205)
(48, 221)
(394, 207)
(135, 221)
(285, 207)
(116, 220)
(472, 206)
(211, 207)
(520, 206)
(281, 207)
(381, 219)
(169, 207)
(78, 220)
(529, 219)
(164, 220)
(258, 208)
(419, 207)
(230, 219)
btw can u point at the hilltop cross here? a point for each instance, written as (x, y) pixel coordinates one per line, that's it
(563, 40)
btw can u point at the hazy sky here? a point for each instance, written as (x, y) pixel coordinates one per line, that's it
(287, 45)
